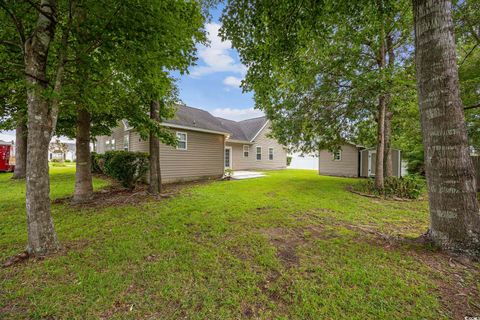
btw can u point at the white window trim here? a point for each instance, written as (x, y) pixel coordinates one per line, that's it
(230, 159)
(248, 150)
(256, 153)
(186, 140)
(333, 155)
(273, 154)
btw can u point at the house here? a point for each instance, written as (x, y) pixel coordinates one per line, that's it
(61, 150)
(353, 160)
(207, 145)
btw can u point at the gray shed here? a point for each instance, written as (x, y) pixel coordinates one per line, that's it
(354, 161)
(368, 158)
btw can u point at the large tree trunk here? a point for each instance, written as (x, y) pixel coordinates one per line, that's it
(379, 180)
(387, 152)
(454, 210)
(20, 151)
(387, 156)
(155, 186)
(42, 238)
(83, 176)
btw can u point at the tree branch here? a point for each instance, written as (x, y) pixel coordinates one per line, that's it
(62, 58)
(39, 9)
(18, 24)
(468, 54)
(472, 107)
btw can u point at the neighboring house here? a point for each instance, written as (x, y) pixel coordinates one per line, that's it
(206, 145)
(61, 150)
(304, 161)
(354, 161)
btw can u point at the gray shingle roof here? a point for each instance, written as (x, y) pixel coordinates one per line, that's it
(197, 118)
(251, 126)
(236, 132)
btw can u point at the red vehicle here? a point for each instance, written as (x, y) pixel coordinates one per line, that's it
(7, 159)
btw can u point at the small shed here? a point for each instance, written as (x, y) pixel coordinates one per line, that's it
(368, 159)
(353, 160)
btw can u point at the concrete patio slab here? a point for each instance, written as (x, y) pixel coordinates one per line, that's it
(240, 175)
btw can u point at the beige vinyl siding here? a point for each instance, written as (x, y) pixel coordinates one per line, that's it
(239, 162)
(202, 159)
(137, 144)
(346, 167)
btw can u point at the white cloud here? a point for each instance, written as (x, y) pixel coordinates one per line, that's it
(237, 114)
(218, 56)
(232, 81)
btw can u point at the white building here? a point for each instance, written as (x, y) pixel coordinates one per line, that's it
(304, 161)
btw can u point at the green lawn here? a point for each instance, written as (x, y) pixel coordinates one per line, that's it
(292, 245)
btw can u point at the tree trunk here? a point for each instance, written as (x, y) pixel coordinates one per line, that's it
(155, 172)
(387, 152)
(83, 176)
(379, 180)
(454, 210)
(20, 150)
(42, 238)
(387, 157)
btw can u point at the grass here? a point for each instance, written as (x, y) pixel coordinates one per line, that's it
(290, 245)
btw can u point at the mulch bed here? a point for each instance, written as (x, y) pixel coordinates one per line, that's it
(116, 195)
(368, 195)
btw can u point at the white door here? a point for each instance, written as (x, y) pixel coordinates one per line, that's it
(228, 158)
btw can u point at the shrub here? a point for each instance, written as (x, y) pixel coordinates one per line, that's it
(289, 160)
(68, 161)
(56, 160)
(126, 167)
(408, 187)
(228, 173)
(97, 161)
(58, 164)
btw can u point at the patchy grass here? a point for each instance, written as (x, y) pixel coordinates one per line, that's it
(290, 245)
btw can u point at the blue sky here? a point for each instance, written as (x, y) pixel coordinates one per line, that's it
(213, 84)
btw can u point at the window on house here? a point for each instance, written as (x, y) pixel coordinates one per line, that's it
(107, 145)
(181, 141)
(259, 153)
(113, 145)
(270, 153)
(126, 141)
(337, 155)
(246, 151)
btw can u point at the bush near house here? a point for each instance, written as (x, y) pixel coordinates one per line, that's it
(126, 167)
(97, 162)
(408, 187)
